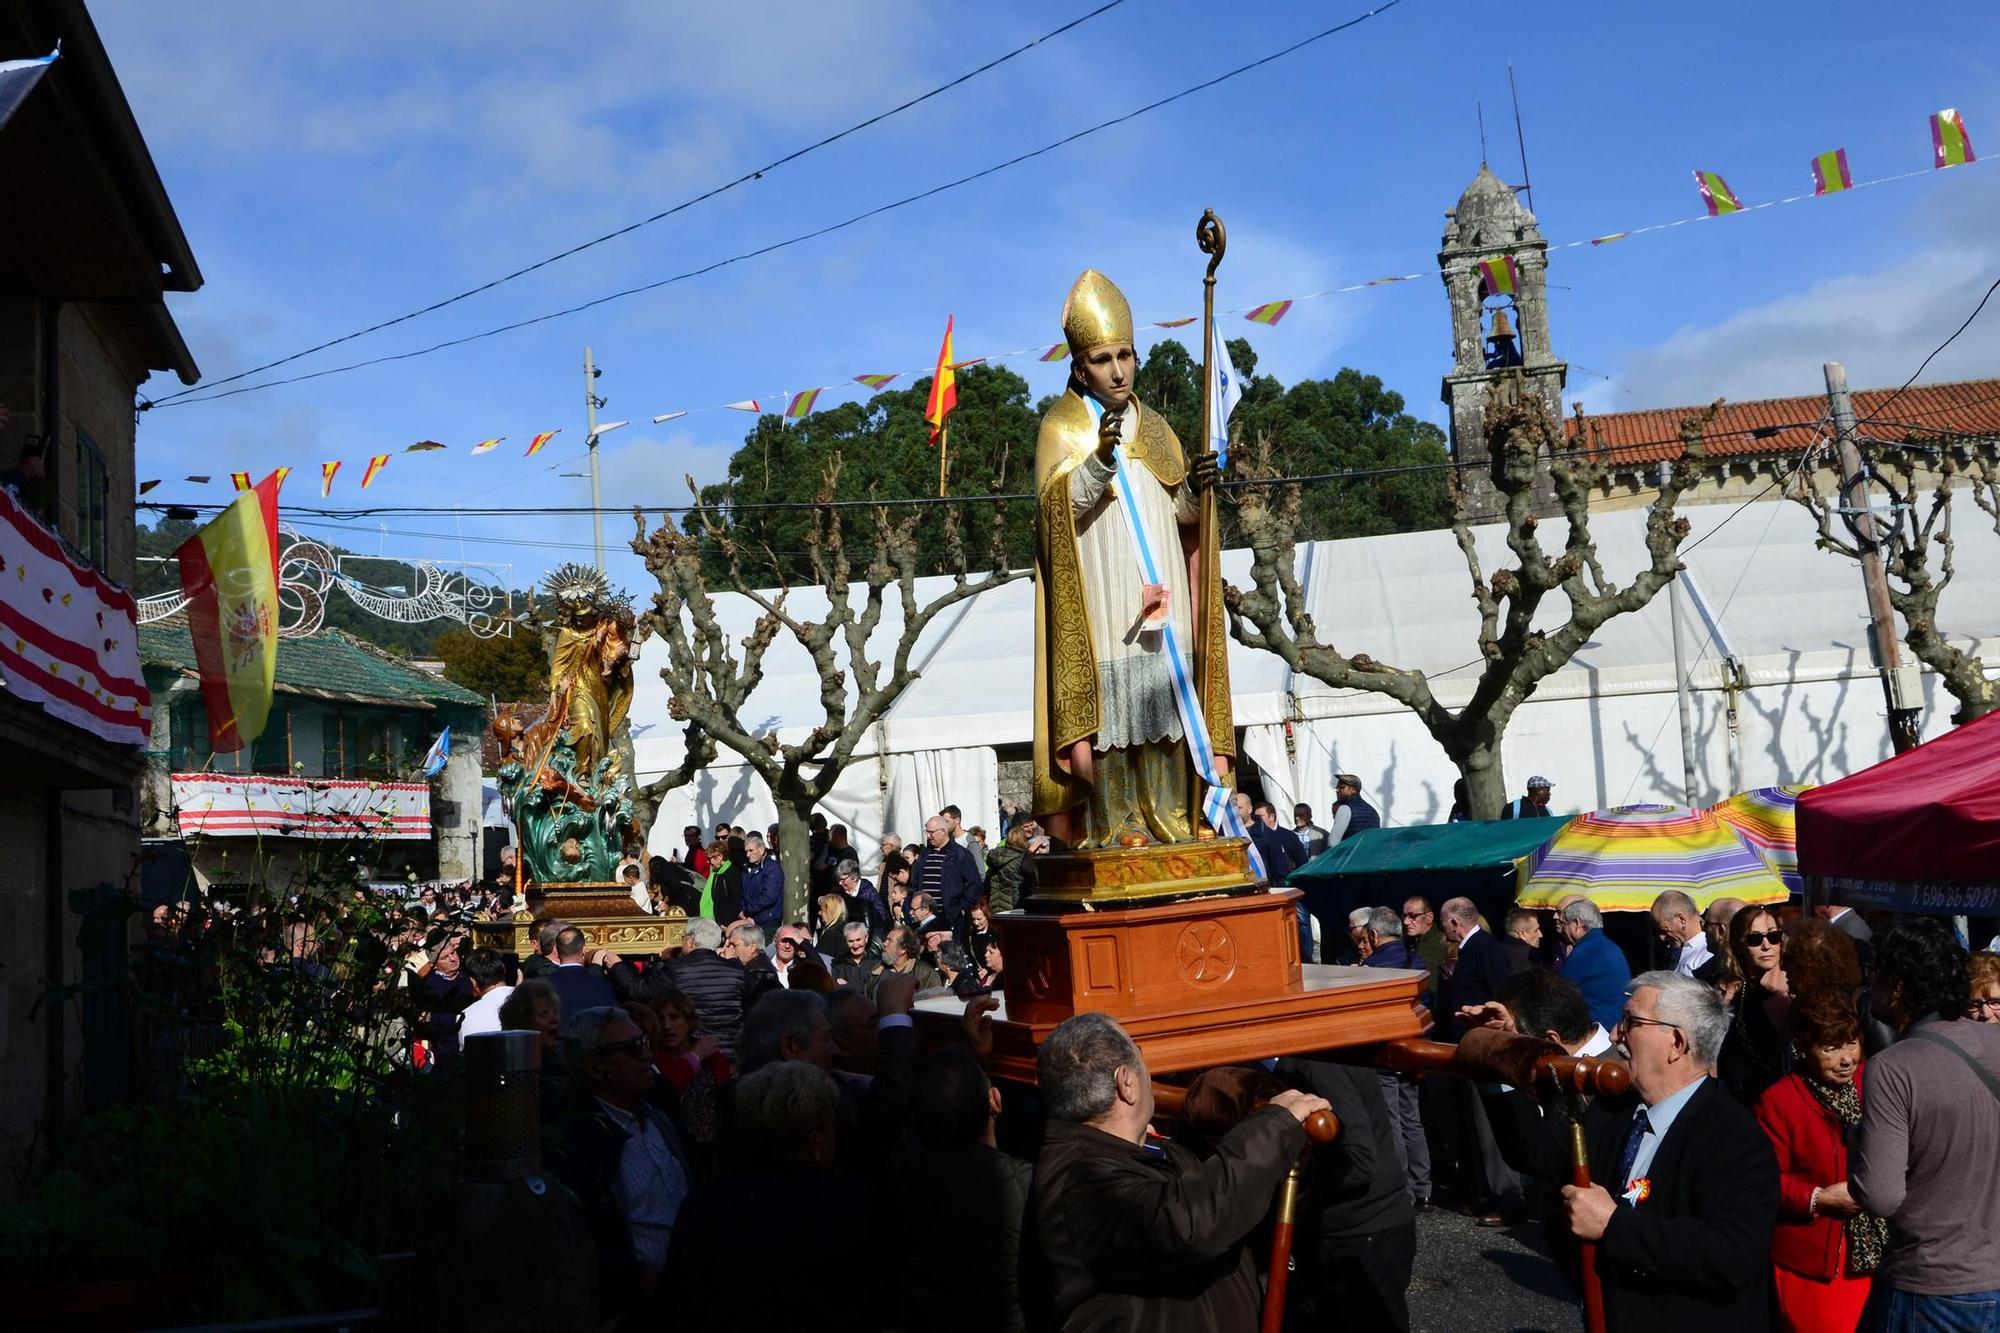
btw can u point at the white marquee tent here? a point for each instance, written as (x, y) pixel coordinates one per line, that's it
(1775, 633)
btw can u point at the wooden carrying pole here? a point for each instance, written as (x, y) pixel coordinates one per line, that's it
(1214, 241)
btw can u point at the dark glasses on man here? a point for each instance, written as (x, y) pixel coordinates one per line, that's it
(1756, 937)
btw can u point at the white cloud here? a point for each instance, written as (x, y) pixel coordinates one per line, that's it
(1880, 324)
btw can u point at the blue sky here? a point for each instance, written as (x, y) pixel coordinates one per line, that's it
(339, 164)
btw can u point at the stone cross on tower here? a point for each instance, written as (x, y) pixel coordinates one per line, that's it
(1487, 229)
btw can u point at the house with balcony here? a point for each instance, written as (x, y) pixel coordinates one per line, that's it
(89, 248)
(338, 766)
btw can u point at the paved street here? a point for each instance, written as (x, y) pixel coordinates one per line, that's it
(1472, 1280)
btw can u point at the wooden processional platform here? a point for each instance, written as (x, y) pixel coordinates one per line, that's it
(1200, 978)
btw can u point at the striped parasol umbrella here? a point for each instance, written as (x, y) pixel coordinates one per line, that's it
(1767, 817)
(1624, 858)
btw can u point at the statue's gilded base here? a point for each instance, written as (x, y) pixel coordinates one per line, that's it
(1122, 876)
(606, 915)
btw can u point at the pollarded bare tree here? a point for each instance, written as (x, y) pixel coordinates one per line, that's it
(1918, 552)
(1526, 446)
(711, 678)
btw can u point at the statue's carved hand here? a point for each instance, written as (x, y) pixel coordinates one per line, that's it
(1204, 472)
(1109, 431)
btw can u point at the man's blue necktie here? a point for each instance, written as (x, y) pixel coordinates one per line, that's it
(1632, 1141)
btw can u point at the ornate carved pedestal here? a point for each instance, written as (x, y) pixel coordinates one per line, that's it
(1197, 980)
(604, 913)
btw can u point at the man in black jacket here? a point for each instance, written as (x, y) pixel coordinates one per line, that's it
(1357, 1229)
(1134, 1233)
(713, 982)
(1686, 1185)
(947, 871)
(1494, 1190)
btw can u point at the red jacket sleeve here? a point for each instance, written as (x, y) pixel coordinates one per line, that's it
(1778, 1115)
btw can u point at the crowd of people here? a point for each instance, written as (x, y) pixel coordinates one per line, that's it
(1809, 1142)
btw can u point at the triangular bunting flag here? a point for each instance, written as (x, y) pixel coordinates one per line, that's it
(747, 405)
(535, 445)
(1499, 277)
(326, 471)
(375, 465)
(668, 416)
(1056, 353)
(1606, 240)
(1268, 313)
(240, 480)
(802, 403)
(199, 481)
(145, 486)
(483, 447)
(874, 381)
(424, 447)
(1173, 323)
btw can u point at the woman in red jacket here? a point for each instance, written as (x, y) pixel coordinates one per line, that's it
(1824, 1249)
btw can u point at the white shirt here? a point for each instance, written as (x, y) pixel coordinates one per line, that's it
(1694, 952)
(1337, 827)
(483, 1014)
(1660, 1118)
(1597, 1043)
(650, 1187)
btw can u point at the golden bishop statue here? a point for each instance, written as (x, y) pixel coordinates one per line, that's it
(1112, 766)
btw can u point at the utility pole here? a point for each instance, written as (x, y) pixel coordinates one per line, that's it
(1902, 688)
(1681, 701)
(591, 402)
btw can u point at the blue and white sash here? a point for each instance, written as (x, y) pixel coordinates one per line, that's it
(1217, 806)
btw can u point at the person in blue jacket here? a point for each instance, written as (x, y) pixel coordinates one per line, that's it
(763, 884)
(1595, 964)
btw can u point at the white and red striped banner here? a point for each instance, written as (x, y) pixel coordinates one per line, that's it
(69, 638)
(224, 805)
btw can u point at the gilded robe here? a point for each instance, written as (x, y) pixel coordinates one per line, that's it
(1100, 673)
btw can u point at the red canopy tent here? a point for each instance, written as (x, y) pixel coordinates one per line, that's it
(1916, 833)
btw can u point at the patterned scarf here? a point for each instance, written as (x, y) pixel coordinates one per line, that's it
(1867, 1234)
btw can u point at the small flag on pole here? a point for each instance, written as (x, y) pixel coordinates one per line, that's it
(375, 465)
(1950, 144)
(1499, 277)
(1269, 313)
(668, 416)
(1830, 173)
(229, 573)
(747, 405)
(944, 386)
(1715, 192)
(19, 77)
(240, 480)
(424, 447)
(1173, 323)
(1224, 395)
(874, 381)
(1056, 353)
(438, 755)
(488, 446)
(535, 445)
(802, 403)
(326, 471)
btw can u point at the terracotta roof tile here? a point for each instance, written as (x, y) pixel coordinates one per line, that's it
(1783, 426)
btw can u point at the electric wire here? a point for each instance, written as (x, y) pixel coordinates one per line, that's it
(202, 396)
(685, 204)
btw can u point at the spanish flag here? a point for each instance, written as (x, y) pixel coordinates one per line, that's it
(944, 386)
(229, 573)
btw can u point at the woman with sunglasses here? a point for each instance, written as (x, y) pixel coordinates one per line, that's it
(1824, 1248)
(1755, 1054)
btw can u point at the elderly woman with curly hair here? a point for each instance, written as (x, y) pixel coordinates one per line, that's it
(1983, 971)
(1824, 1249)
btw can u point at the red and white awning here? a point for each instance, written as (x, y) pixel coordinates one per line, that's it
(220, 805)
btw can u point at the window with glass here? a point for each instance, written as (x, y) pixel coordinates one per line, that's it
(93, 502)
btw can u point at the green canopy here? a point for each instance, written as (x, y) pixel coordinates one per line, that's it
(1433, 848)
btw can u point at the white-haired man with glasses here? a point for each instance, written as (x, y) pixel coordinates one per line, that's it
(1685, 1186)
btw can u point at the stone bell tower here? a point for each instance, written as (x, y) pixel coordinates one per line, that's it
(1493, 259)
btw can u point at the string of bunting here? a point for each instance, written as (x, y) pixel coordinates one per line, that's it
(1951, 146)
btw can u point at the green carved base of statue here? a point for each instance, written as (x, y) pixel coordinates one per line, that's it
(572, 826)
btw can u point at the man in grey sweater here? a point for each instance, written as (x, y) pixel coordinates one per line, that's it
(1928, 1151)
